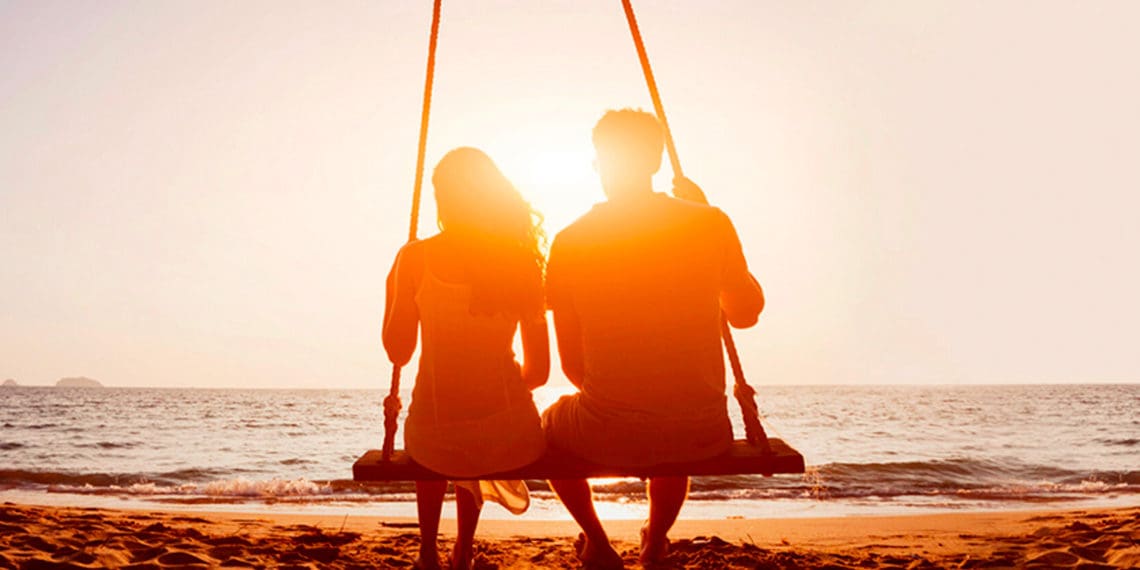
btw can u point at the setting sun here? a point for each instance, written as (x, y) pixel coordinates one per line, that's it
(555, 175)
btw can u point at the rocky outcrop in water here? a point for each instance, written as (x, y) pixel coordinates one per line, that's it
(9, 382)
(78, 382)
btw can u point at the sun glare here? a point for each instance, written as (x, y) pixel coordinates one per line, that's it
(558, 179)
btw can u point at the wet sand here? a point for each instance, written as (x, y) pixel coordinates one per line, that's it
(35, 537)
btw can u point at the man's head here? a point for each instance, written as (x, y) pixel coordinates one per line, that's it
(628, 144)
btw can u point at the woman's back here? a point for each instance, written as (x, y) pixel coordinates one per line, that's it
(471, 412)
(467, 359)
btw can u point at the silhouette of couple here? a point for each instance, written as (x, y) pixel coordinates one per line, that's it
(636, 287)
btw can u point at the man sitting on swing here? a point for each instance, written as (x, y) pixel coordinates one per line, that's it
(637, 287)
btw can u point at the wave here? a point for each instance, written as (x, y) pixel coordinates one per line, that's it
(243, 490)
(1122, 442)
(108, 445)
(969, 479)
(905, 482)
(963, 478)
(196, 484)
(25, 477)
(297, 461)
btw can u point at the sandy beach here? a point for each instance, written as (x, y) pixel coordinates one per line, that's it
(35, 537)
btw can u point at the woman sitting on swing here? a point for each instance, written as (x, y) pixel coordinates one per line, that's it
(468, 289)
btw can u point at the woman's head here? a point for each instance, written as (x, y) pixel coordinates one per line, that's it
(472, 195)
(486, 213)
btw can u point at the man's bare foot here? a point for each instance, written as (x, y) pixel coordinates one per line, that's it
(653, 552)
(427, 561)
(597, 556)
(462, 558)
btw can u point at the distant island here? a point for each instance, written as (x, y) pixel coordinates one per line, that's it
(9, 382)
(78, 382)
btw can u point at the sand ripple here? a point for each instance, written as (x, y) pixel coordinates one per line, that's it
(54, 538)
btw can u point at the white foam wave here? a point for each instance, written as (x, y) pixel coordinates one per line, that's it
(236, 488)
(271, 488)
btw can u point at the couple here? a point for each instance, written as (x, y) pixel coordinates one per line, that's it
(636, 288)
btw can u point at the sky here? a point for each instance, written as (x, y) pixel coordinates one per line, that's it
(209, 193)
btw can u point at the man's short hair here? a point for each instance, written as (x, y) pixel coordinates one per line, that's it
(630, 137)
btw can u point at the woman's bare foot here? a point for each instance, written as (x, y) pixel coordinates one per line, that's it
(653, 552)
(597, 556)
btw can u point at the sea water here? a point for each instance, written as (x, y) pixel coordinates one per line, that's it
(869, 450)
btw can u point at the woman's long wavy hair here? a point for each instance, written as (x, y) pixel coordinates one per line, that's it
(498, 232)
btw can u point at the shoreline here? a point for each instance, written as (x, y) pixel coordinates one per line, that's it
(1092, 539)
(544, 506)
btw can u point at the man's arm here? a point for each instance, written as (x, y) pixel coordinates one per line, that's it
(741, 297)
(536, 351)
(569, 333)
(567, 329)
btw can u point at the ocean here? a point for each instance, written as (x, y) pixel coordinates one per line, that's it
(869, 450)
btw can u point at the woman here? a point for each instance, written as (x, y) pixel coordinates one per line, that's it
(467, 289)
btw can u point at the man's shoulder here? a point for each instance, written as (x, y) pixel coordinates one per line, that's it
(658, 212)
(694, 217)
(577, 230)
(706, 213)
(690, 207)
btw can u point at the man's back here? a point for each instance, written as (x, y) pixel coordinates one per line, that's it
(642, 278)
(637, 287)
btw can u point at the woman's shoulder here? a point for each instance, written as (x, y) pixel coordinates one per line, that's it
(420, 248)
(410, 259)
(436, 255)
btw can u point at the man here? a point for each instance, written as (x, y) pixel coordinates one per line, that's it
(637, 287)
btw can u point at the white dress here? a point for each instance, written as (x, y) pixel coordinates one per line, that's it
(470, 413)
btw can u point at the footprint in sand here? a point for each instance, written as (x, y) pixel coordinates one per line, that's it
(226, 541)
(71, 554)
(11, 529)
(180, 558)
(150, 553)
(226, 551)
(35, 543)
(238, 563)
(1093, 554)
(1055, 559)
(1125, 557)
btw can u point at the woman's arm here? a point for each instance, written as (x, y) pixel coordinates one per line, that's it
(401, 316)
(536, 351)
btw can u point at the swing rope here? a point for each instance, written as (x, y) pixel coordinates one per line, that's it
(650, 82)
(392, 401)
(745, 393)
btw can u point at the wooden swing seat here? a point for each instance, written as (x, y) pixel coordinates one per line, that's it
(741, 458)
